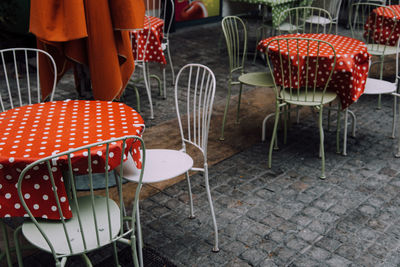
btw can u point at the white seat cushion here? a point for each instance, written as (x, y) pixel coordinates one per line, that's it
(318, 20)
(376, 87)
(160, 165)
(287, 27)
(55, 231)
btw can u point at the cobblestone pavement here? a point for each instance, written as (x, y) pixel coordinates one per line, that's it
(284, 216)
(287, 215)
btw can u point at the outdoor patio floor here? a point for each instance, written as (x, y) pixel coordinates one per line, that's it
(287, 215)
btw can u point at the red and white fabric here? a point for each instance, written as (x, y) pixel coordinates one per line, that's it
(36, 131)
(154, 52)
(351, 69)
(389, 32)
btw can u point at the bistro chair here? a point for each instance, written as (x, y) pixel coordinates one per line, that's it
(375, 34)
(305, 20)
(139, 46)
(19, 86)
(333, 7)
(20, 77)
(311, 91)
(97, 220)
(236, 41)
(165, 10)
(196, 84)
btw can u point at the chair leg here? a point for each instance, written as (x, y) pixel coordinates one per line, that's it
(353, 116)
(17, 246)
(271, 145)
(264, 124)
(137, 99)
(160, 90)
(171, 64)
(139, 235)
(238, 107)
(115, 253)
(228, 99)
(345, 133)
(215, 248)
(148, 89)
(321, 135)
(329, 116)
(7, 243)
(191, 215)
(397, 155)
(134, 250)
(285, 116)
(338, 128)
(394, 116)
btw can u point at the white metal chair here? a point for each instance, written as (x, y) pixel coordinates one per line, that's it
(333, 7)
(20, 77)
(19, 86)
(97, 220)
(196, 83)
(163, 9)
(235, 33)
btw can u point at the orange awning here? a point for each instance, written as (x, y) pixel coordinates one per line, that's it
(90, 32)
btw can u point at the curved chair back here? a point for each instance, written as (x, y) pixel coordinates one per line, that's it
(236, 42)
(376, 36)
(139, 45)
(196, 84)
(305, 20)
(300, 75)
(20, 76)
(97, 220)
(159, 9)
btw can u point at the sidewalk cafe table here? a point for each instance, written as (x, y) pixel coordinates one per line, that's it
(154, 49)
(33, 132)
(351, 69)
(277, 6)
(385, 26)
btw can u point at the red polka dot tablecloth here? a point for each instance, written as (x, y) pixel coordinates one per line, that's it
(154, 52)
(36, 131)
(351, 69)
(382, 25)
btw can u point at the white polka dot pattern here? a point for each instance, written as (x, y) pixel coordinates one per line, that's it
(32, 132)
(154, 52)
(384, 34)
(351, 69)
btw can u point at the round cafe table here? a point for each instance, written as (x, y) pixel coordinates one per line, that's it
(351, 69)
(154, 52)
(33, 132)
(384, 24)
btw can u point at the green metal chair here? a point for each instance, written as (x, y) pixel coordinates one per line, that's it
(236, 41)
(97, 220)
(305, 20)
(300, 84)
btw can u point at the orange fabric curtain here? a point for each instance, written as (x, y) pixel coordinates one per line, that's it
(90, 32)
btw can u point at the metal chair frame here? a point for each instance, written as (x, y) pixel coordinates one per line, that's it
(161, 12)
(310, 94)
(19, 78)
(333, 7)
(113, 227)
(236, 41)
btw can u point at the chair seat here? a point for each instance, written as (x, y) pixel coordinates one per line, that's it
(301, 99)
(379, 49)
(318, 20)
(376, 87)
(260, 79)
(55, 231)
(161, 165)
(287, 27)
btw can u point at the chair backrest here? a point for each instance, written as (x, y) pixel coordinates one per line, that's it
(305, 20)
(236, 42)
(367, 26)
(139, 45)
(299, 68)
(332, 6)
(97, 220)
(20, 76)
(163, 9)
(194, 98)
